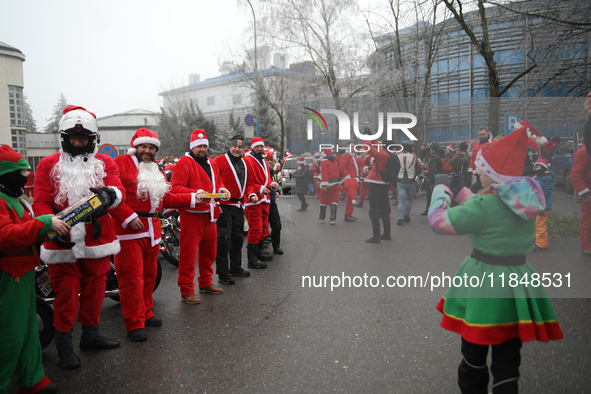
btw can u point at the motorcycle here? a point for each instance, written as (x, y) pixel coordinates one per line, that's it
(170, 246)
(45, 297)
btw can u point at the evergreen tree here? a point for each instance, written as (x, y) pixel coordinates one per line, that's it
(58, 112)
(233, 127)
(176, 128)
(30, 122)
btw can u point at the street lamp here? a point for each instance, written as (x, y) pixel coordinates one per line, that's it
(256, 84)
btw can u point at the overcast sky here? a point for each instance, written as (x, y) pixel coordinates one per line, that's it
(113, 56)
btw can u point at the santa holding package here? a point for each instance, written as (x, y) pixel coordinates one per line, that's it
(196, 173)
(137, 226)
(79, 267)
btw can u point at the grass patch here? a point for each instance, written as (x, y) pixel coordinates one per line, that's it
(563, 225)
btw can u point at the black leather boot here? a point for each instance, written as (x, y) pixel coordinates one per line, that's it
(333, 213)
(322, 214)
(386, 236)
(253, 261)
(375, 225)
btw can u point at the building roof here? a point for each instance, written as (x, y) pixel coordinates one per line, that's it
(130, 119)
(10, 50)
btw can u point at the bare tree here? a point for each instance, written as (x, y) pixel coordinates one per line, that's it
(482, 43)
(406, 37)
(323, 32)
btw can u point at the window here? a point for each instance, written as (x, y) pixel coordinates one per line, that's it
(210, 101)
(18, 141)
(15, 102)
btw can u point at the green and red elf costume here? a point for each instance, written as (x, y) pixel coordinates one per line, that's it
(19, 231)
(502, 231)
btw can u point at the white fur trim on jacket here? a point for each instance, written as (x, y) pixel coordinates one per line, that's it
(119, 198)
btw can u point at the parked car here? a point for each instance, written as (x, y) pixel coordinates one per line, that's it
(289, 167)
(561, 163)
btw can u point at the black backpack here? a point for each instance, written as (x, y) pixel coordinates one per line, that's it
(390, 173)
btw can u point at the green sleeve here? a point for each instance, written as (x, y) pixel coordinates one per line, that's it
(47, 226)
(470, 217)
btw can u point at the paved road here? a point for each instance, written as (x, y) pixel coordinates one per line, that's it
(267, 334)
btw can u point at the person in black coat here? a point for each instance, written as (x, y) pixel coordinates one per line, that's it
(301, 177)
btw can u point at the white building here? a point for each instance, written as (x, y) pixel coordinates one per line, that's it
(12, 112)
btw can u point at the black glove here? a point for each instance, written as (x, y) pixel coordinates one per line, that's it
(62, 243)
(106, 194)
(442, 179)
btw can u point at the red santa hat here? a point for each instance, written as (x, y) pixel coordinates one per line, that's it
(288, 154)
(505, 159)
(256, 141)
(451, 147)
(543, 162)
(326, 151)
(531, 131)
(269, 154)
(317, 155)
(143, 136)
(301, 160)
(198, 137)
(247, 151)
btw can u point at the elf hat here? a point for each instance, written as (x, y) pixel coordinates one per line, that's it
(543, 162)
(530, 129)
(505, 159)
(144, 136)
(198, 137)
(256, 141)
(11, 161)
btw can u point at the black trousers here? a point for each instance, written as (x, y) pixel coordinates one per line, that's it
(302, 198)
(473, 370)
(379, 206)
(275, 223)
(230, 226)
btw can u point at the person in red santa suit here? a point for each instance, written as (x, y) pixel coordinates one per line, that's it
(230, 225)
(137, 226)
(580, 178)
(258, 187)
(196, 173)
(485, 140)
(79, 268)
(349, 169)
(329, 183)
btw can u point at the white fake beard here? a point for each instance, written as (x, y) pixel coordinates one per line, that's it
(74, 177)
(151, 184)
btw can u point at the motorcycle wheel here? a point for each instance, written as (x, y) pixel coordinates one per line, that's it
(113, 284)
(170, 245)
(45, 323)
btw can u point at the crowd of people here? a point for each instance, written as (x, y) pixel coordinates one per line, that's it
(215, 196)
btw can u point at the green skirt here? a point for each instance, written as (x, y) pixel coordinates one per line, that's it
(494, 308)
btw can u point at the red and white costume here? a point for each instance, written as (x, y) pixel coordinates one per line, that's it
(136, 264)
(259, 178)
(349, 169)
(580, 177)
(198, 227)
(477, 147)
(329, 178)
(83, 269)
(231, 181)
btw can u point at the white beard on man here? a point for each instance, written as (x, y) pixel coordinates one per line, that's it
(75, 175)
(151, 183)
